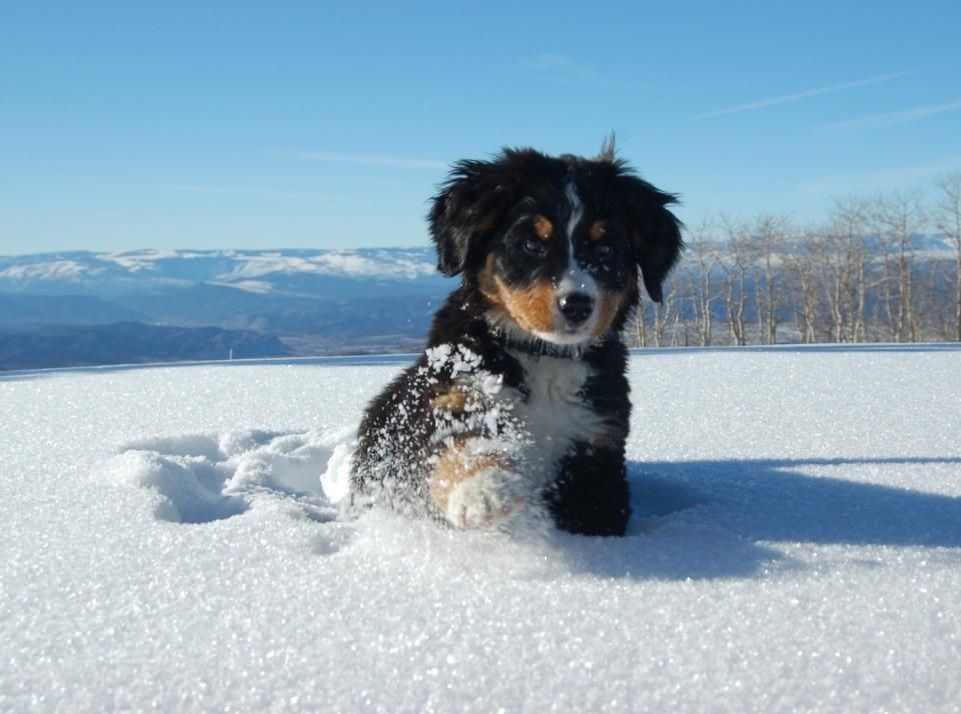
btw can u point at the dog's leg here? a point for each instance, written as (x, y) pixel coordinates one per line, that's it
(474, 488)
(592, 496)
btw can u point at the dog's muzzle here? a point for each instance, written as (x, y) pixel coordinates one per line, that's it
(576, 307)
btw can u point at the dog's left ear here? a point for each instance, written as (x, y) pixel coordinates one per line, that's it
(471, 205)
(463, 212)
(655, 231)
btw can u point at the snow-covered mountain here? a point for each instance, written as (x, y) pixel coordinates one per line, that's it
(313, 301)
(296, 272)
(171, 541)
(316, 302)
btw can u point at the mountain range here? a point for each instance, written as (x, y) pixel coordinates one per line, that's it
(309, 301)
(257, 302)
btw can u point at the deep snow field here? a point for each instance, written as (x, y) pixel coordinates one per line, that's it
(167, 543)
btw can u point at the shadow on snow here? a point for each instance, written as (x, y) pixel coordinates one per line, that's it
(711, 519)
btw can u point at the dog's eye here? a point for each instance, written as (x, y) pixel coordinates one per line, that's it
(534, 246)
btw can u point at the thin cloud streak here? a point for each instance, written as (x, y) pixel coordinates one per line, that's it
(560, 68)
(882, 120)
(548, 62)
(797, 96)
(391, 161)
(226, 191)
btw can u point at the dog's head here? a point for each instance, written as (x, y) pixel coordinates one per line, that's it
(555, 244)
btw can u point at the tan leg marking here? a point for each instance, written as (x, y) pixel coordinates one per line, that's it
(453, 402)
(457, 464)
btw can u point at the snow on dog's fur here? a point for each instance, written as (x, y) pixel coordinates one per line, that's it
(520, 401)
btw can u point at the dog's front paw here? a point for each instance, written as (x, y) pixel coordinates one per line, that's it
(485, 500)
(475, 485)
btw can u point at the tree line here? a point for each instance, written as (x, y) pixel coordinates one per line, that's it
(869, 273)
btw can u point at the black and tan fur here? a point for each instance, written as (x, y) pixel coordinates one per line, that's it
(520, 400)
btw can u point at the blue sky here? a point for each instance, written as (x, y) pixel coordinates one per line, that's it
(323, 124)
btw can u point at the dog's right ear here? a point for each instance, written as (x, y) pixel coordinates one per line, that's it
(469, 207)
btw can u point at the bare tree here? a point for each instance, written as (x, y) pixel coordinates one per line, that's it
(801, 268)
(843, 258)
(735, 265)
(701, 263)
(861, 276)
(652, 321)
(933, 312)
(899, 217)
(769, 236)
(666, 316)
(637, 326)
(948, 221)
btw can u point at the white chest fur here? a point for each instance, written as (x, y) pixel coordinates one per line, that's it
(554, 411)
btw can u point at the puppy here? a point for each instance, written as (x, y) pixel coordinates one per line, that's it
(520, 400)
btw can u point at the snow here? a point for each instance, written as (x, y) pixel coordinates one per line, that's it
(251, 269)
(139, 260)
(167, 544)
(334, 262)
(48, 270)
(250, 286)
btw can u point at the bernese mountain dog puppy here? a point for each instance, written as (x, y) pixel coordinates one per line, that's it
(520, 400)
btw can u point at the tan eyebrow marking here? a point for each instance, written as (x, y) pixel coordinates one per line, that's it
(543, 227)
(486, 222)
(598, 230)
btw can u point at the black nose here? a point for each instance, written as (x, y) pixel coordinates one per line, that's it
(575, 307)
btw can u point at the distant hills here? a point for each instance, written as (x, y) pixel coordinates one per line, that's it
(61, 310)
(306, 301)
(84, 308)
(129, 343)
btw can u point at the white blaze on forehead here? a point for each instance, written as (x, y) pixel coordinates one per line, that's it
(577, 208)
(575, 279)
